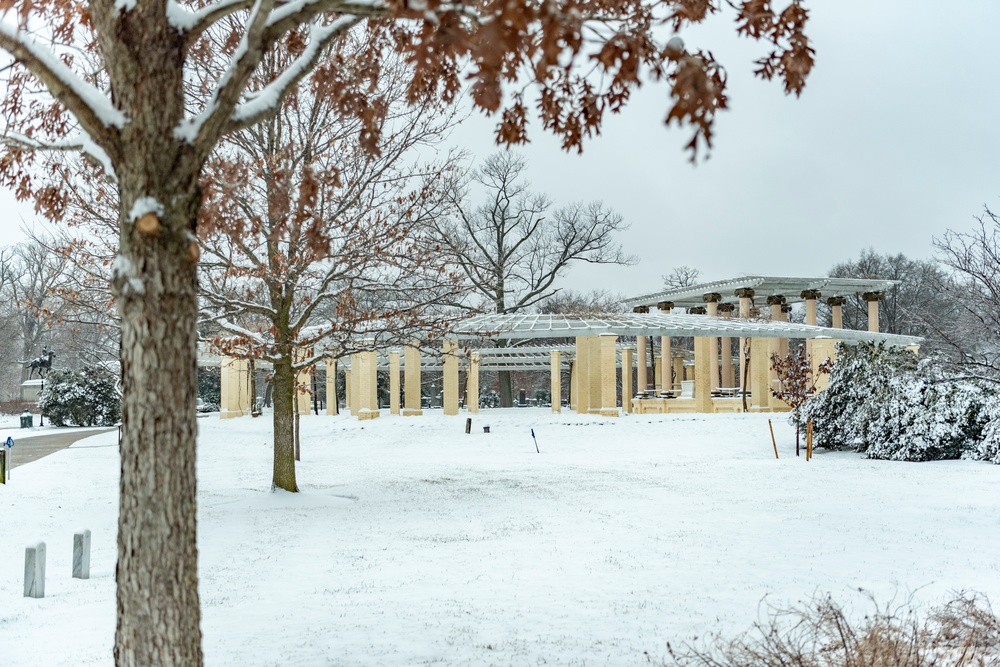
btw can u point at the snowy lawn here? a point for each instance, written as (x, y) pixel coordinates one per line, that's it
(413, 543)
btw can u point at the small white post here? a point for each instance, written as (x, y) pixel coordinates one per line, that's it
(34, 571)
(81, 554)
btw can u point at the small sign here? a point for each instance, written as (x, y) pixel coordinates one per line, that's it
(9, 443)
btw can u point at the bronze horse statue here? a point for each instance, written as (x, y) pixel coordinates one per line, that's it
(42, 364)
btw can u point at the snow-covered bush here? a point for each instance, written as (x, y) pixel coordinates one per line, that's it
(858, 383)
(88, 397)
(882, 403)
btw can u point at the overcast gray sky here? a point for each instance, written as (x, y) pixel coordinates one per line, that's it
(893, 141)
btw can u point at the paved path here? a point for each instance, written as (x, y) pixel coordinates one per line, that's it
(33, 448)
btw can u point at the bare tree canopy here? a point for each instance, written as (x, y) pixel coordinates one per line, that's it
(680, 277)
(515, 244)
(970, 329)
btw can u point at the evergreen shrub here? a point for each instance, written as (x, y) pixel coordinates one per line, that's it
(87, 397)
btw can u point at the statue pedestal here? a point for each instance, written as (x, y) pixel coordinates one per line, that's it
(30, 389)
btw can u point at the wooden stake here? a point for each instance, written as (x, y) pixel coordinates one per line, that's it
(809, 439)
(775, 444)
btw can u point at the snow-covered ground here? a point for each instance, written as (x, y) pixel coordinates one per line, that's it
(414, 543)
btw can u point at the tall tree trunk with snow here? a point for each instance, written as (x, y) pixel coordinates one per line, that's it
(283, 476)
(155, 289)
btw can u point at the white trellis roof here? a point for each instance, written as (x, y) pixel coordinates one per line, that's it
(521, 326)
(764, 286)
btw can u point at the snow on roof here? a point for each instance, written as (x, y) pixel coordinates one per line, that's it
(519, 326)
(764, 286)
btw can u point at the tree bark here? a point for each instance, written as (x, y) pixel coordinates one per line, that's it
(506, 389)
(283, 475)
(157, 572)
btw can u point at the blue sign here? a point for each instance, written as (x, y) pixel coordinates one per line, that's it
(10, 442)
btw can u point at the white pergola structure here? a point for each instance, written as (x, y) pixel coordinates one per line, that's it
(594, 381)
(595, 354)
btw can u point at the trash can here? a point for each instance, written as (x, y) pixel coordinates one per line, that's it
(26, 420)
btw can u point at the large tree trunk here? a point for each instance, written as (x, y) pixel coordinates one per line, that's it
(155, 289)
(506, 389)
(283, 476)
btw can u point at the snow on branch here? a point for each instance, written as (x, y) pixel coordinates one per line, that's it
(92, 108)
(266, 101)
(80, 142)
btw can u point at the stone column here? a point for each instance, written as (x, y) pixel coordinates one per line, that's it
(596, 376)
(823, 349)
(234, 393)
(678, 371)
(702, 381)
(303, 384)
(472, 385)
(332, 408)
(411, 381)
(609, 375)
(573, 387)
(367, 382)
(394, 383)
(712, 300)
(836, 304)
(873, 298)
(350, 400)
(627, 388)
(775, 345)
(745, 295)
(451, 377)
(666, 382)
(726, 349)
(760, 373)
(582, 370)
(555, 370)
(640, 363)
(810, 295)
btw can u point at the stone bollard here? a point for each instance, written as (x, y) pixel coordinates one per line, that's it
(81, 554)
(34, 571)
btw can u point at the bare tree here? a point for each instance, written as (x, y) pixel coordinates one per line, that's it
(514, 245)
(570, 302)
(969, 330)
(906, 304)
(680, 277)
(317, 243)
(127, 85)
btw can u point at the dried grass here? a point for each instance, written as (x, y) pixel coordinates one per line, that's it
(962, 633)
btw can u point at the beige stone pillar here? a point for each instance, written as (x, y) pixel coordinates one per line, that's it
(411, 380)
(332, 408)
(823, 349)
(573, 388)
(745, 295)
(596, 375)
(582, 371)
(609, 375)
(367, 383)
(350, 399)
(472, 385)
(303, 385)
(775, 345)
(836, 304)
(872, 298)
(627, 387)
(712, 300)
(234, 390)
(450, 377)
(666, 353)
(760, 373)
(678, 372)
(810, 296)
(555, 370)
(702, 381)
(394, 383)
(640, 362)
(726, 350)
